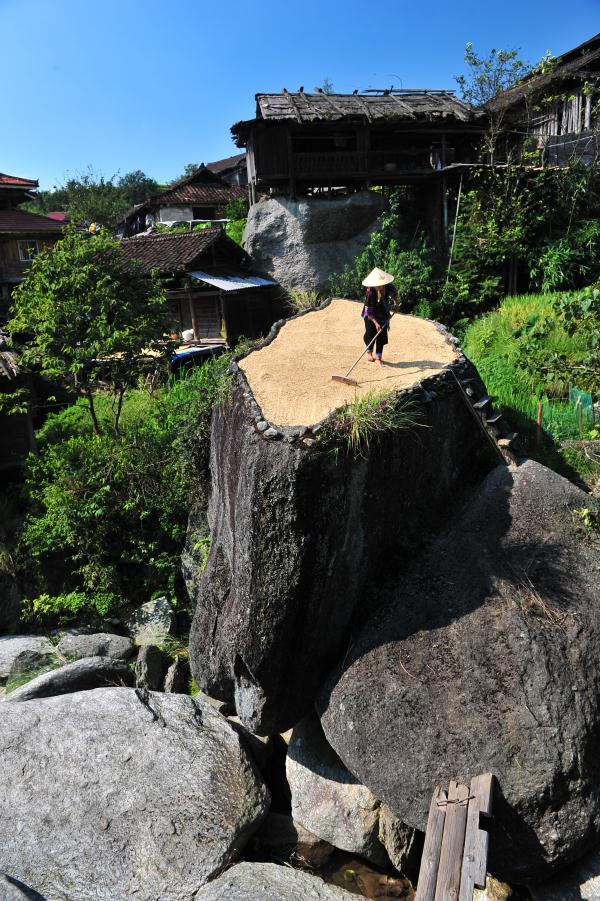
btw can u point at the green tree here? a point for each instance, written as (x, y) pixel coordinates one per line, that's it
(83, 316)
(94, 198)
(486, 78)
(327, 85)
(137, 187)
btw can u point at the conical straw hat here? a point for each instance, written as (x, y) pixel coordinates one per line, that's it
(377, 278)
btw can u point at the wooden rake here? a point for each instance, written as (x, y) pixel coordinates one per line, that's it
(344, 378)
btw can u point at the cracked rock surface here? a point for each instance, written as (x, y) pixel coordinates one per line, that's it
(488, 660)
(115, 794)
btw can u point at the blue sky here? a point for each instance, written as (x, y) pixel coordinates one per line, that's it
(156, 84)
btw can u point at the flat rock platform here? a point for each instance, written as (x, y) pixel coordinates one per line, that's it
(291, 377)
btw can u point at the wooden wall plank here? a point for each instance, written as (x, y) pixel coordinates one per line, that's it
(449, 872)
(432, 847)
(476, 839)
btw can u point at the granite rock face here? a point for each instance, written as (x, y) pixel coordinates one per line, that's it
(327, 799)
(81, 675)
(579, 882)
(152, 622)
(296, 536)
(97, 644)
(270, 882)
(301, 242)
(488, 660)
(22, 653)
(107, 795)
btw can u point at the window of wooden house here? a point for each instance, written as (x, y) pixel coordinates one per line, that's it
(28, 250)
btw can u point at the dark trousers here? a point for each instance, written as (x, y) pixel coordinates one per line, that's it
(380, 341)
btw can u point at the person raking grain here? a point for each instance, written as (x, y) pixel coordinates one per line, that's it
(381, 300)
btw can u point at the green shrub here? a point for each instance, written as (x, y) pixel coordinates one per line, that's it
(356, 423)
(107, 516)
(300, 301)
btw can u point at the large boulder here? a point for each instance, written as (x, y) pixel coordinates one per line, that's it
(25, 653)
(75, 645)
(80, 675)
(153, 622)
(299, 532)
(327, 799)
(331, 803)
(300, 243)
(110, 794)
(270, 882)
(488, 660)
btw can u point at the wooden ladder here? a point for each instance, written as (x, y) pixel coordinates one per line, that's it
(454, 858)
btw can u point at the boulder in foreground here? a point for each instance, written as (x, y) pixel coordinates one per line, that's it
(108, 795)
(270, 882)
(488, 661)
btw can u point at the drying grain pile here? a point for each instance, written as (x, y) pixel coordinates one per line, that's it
(291, 377)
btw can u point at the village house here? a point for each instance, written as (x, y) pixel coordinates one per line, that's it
(201, 197)
(213, 298)
(304, 143)
(556, 111)
(232, 169)
(22, 235)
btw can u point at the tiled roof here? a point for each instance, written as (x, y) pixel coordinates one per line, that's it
(16, 182)
(230, 162)
(203, 187)
(21, 222)
(172, 253)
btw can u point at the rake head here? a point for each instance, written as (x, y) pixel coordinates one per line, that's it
(345, 380)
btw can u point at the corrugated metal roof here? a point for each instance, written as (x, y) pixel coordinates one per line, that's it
(232, 282)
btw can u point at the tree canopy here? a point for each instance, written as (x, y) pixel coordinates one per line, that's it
(488, 76)
(82, 316)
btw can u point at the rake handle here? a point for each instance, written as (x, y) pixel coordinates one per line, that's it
(368, 347)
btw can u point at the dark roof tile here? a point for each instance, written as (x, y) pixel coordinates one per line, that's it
(172, 253)
(21, 222)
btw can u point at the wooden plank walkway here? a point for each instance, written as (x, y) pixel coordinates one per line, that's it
(455, 853)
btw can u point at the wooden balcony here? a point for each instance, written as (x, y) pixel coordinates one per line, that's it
(327, 165)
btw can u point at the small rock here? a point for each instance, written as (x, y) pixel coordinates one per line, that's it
(327, 799)
(496, 891)
(149, 668)
(99, 644)
(262, 426)
(269, 882)
(177, 679)
(81, 675)
(403, 844)
(152, 622)
(225, 708)
(308, 442)
(271, 433)
(25, 653)
(281, 836)
(290, 439)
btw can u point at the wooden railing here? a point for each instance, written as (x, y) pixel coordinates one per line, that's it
(359, 163)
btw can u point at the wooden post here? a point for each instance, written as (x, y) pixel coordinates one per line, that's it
(474, 863)
(444, 192)
(290, 153)
(430, 860)
(192, 311)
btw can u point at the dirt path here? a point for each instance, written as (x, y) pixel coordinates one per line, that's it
(291, 377)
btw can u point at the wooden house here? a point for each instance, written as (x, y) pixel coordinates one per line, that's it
(22, 235)
(302, 143)
(212, 296)
(556, 111)
(232, 169)
(201, 197)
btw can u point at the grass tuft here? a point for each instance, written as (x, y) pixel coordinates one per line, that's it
(356, 423)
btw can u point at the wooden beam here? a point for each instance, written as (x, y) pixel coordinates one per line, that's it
(448, 882)
(432, 847)
(476, 839)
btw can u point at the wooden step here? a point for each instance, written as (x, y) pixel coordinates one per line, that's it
(480, 405)
(495, 419)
